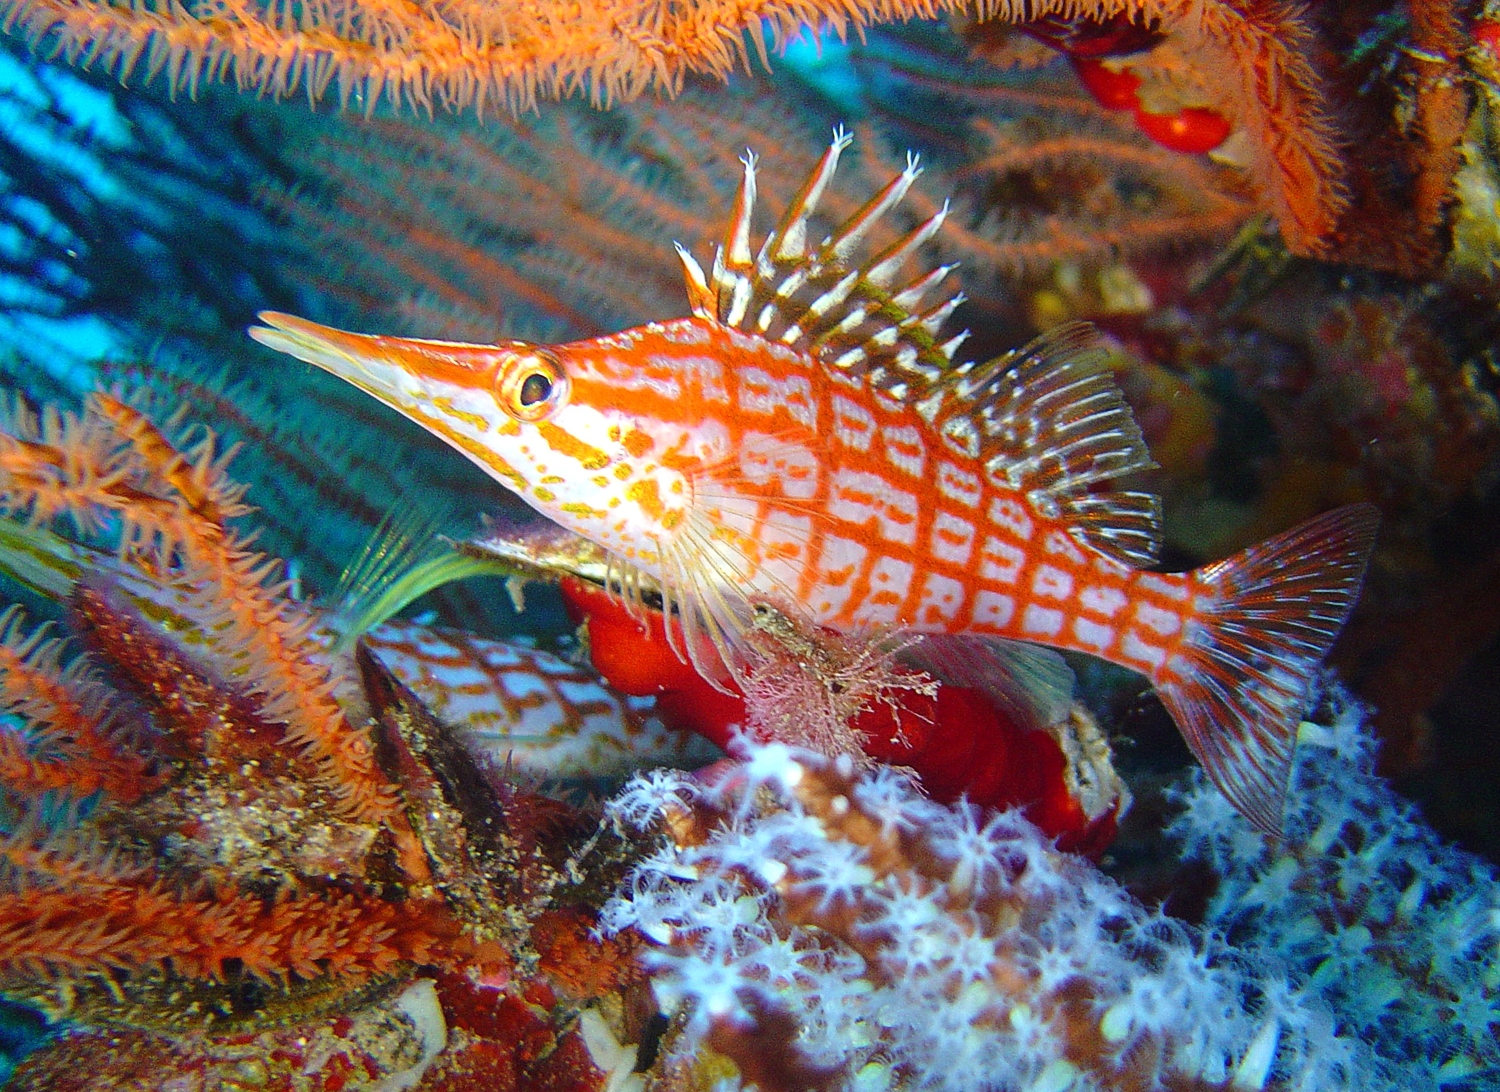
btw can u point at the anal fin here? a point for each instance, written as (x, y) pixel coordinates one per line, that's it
(1031, 684)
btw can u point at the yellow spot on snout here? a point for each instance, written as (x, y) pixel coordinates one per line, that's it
(473, 420)
(481, 454)
(564, 442)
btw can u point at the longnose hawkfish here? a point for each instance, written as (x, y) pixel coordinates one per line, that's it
(804, 440)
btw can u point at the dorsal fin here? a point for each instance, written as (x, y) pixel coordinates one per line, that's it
(830, 300)
(1048, 421)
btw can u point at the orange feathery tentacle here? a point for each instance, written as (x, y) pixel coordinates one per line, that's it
(75, 744)
(107, 927)
(172, 508)
(1259, 55)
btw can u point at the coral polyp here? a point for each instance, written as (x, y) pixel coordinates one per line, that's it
(869, 933)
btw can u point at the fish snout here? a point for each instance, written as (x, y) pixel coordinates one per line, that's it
(399, 371)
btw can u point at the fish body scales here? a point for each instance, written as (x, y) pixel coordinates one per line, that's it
(846, 505)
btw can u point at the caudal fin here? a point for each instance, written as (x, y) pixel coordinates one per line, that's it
(1241, 687)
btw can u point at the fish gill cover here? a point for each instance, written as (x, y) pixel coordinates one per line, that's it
(266, 824)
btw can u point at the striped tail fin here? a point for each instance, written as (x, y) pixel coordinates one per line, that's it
(1242, 684)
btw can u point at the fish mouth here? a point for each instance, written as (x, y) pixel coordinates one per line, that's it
(373, 364)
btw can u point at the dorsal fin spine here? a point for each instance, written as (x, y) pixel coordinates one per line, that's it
(700, 298)
(720, 273)
(849, 358)
(792, 283)
(889, 262)
(951, 346)
(789, 241)
(744, 207)
(739, 300)
(910, 296)
(856, 318)
(931, 321)
(826, 301)
(851, 234)
(835, 295)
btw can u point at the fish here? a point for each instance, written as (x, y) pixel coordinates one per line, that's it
(512, 705)
(808, 438)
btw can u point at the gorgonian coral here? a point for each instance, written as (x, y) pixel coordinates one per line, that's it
(1259, 63)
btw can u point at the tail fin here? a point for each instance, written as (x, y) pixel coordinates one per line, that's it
(1246, 681)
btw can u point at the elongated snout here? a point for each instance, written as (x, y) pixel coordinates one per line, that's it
(405, 373)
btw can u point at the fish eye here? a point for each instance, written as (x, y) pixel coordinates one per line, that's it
(533, 387)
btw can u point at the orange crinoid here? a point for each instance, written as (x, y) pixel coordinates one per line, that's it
(1257, 59)
(225, 850)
